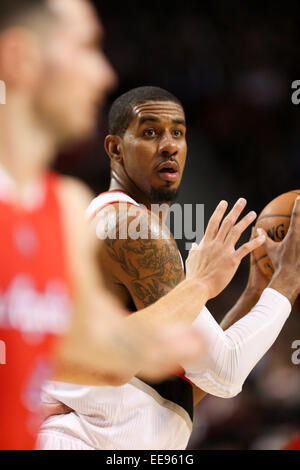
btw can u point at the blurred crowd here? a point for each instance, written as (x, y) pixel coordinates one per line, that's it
(232, 64)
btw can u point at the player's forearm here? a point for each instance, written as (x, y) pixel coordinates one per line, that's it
(182, 304)
(81, 360)
(285, 284)
(231, 355)
(245, 303)
(250, 297)
(243, 306)
(98, 348)
(69, 372)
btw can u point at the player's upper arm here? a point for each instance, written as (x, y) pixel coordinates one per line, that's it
(143, 255)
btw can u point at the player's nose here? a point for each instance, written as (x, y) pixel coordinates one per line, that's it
(167, 147)
(107, 75)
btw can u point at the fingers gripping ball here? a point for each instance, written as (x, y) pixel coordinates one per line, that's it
(275, 220)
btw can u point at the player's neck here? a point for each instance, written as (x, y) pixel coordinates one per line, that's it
(122, 182)
(127, 186)
(25, 148)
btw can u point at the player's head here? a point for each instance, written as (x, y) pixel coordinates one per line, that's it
(147, 139)
(52, 62)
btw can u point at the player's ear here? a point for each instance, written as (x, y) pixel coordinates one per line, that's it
(114, 148)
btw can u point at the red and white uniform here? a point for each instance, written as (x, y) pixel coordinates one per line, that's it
(34, 303)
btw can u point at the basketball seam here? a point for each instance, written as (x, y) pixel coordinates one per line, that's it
(260, 258)
(273, 215)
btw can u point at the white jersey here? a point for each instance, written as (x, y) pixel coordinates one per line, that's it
(132, 416)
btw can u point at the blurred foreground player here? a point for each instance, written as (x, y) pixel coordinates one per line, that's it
(147, 147)
(56, 78)
(293, 443)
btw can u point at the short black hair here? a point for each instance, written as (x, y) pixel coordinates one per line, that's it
(121, 111)
(13, 12)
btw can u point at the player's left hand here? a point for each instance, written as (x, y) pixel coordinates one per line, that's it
(215, 260)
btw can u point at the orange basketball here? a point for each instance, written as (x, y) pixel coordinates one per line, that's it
(275, 220)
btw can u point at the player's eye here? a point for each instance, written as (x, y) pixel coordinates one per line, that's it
(177, 133)
(150, 132)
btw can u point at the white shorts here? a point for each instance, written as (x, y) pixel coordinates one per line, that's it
(58, 441)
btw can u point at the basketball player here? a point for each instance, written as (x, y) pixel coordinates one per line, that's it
(147, 148)
(56, 78)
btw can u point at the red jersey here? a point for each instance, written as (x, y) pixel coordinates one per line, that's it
(34, 307)
(293, 444)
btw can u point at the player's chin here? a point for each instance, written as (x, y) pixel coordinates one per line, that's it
(80, 130)
(86, 130)
(164, 193)
(161, 184)
(84, 120)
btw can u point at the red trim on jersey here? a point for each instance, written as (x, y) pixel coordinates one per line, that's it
(115, 191)
(182, 376)
(115, 202)
(110, 203)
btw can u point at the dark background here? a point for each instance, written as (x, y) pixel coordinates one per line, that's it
(232, 64)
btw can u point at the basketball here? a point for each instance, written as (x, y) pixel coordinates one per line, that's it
(275, 220)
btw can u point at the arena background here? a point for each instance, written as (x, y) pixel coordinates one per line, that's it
(232, 64)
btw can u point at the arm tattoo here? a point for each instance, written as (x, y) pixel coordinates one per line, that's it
(153, 272)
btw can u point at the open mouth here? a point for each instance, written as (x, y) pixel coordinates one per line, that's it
(169, 173)
(168, 170)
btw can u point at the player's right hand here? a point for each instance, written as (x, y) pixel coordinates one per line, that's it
(257, 281)
(215, 260)
(285, 257)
